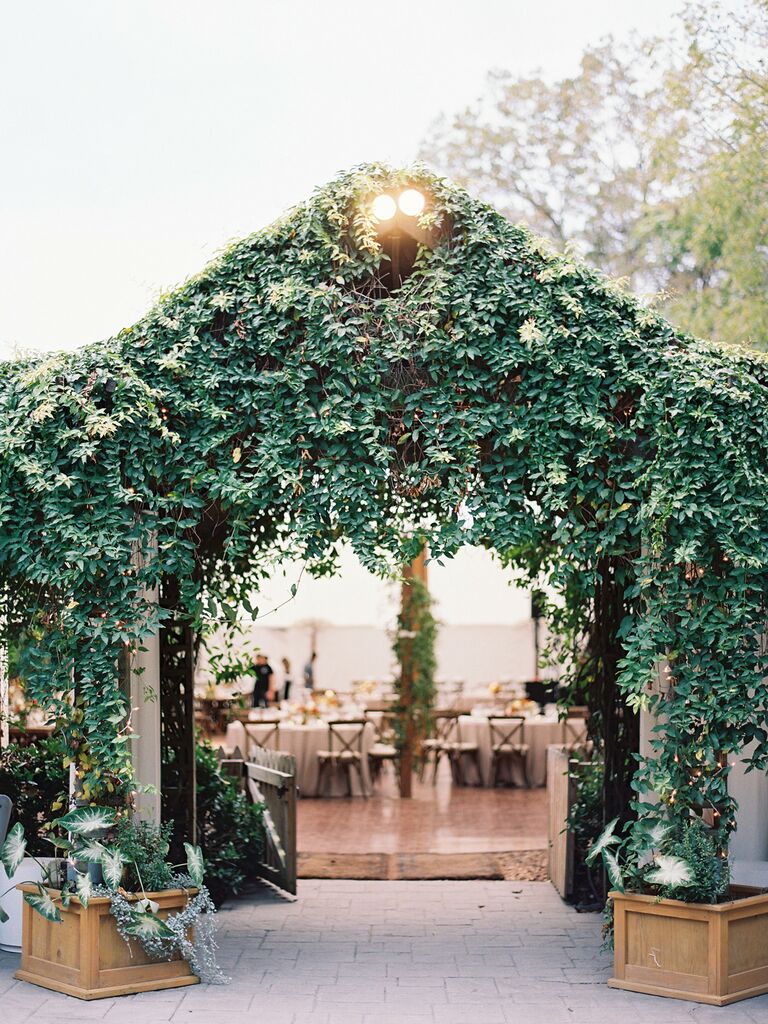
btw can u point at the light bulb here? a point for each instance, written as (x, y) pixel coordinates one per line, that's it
(384, 207)
(411, 202)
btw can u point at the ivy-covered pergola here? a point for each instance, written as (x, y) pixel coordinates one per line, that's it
(295, 396)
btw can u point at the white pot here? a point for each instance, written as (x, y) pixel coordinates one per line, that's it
(28, 871)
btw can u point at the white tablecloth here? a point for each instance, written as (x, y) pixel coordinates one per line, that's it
(304, 742)
(540, 731)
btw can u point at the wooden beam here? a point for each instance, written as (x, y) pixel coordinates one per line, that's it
(417, 570)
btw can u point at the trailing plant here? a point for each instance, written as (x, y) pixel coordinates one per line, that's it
(414, 648)
(230, 828)
(124, 852)
(504, 395)
(230, 656)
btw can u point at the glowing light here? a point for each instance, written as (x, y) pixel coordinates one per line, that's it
(411, 202)
(384, 207)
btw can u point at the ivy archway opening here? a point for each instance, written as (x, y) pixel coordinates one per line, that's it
(286, 400)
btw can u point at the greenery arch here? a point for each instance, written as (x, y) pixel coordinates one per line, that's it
(504, 395)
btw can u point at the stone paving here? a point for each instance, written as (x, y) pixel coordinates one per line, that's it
(392, 953)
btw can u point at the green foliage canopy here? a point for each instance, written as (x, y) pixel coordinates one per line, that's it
(278, 404)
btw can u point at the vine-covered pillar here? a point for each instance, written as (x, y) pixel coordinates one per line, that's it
(177, 710)
(619, 725)
(416, 570)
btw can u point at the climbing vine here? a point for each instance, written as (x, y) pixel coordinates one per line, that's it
(282, 402)
(414, 648)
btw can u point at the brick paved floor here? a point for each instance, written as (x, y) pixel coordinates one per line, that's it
(393, 953)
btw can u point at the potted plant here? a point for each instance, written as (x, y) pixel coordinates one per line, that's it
(80, 937)
(679, 927)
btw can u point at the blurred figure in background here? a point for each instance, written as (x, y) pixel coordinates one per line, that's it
(287, 681)
(309, 673)
(263, 690)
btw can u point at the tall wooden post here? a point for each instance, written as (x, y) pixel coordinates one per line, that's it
(417, 570)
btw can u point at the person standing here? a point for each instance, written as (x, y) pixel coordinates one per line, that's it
(263, 690)
(309, 673)
(286, 678)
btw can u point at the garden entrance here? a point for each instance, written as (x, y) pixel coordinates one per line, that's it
(393, 365)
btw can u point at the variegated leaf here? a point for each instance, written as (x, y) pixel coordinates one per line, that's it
(87, 821)
(112, 864)
(672, 871)
(614, 870)
(66, 895)
(147, 906)
(13, 849)
(84, 888)
(606, 838)
(42, 902)
(148, 926)
(195, 863)
(89, 850)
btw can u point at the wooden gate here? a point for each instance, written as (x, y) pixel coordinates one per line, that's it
(269, 778)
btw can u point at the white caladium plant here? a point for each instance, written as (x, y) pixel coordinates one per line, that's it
(102, 838)
(195, 863)
(676, 858)
(13, 850)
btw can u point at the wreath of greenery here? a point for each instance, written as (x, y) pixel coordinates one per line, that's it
(279, 404)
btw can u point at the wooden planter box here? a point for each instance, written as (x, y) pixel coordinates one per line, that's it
(83, 955)
(709, 953)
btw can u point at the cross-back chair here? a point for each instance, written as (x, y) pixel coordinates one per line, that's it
(383, 748)
(264, 734)
(436, 745)
(574, 730)
(508, 747)
(345, 752)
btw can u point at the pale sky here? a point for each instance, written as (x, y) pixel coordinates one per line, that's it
(139, 136)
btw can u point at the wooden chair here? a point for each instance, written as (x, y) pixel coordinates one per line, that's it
(508, 746)
(264, 734)
(345, 751)
(574, 735)
(458, 749)
(437, 745)
(383, 748)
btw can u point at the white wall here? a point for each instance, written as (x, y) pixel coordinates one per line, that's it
(485, 630)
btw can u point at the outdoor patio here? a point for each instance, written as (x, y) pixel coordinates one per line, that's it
(393, 953)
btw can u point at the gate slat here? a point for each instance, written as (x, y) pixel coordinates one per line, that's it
(269, 778)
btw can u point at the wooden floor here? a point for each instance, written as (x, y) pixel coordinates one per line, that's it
(441, 819)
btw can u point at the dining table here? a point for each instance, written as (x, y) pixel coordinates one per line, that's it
(540, 732)
(304, 740)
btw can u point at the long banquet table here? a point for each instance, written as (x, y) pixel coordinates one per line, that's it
(304, 741)
(540, 732)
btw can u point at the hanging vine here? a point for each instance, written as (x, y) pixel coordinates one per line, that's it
(282, 402)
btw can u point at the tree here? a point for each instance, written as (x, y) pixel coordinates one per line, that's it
(649, 160)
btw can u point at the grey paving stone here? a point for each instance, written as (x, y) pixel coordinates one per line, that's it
(392, 953)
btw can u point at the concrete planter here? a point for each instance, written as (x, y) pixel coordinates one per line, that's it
(83, 955)
(708, 953)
